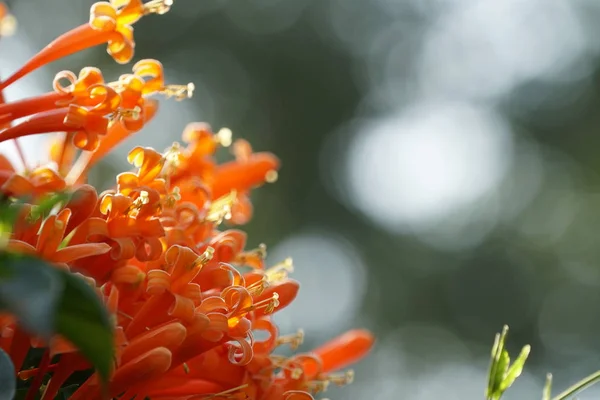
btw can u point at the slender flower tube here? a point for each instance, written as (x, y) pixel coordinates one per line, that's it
(110, 22)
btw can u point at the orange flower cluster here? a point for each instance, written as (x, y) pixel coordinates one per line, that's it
(184, 315)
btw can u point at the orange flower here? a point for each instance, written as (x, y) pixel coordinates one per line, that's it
(153, 246)
(110, 22)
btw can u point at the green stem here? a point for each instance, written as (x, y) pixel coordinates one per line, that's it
(579, 386)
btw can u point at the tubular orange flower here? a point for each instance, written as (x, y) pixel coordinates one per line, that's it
(110, 22)
(185, 315)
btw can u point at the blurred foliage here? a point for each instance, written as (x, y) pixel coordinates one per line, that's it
(7, 377)
(48, 301)
(502, 373)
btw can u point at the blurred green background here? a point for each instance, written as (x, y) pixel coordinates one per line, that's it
(440, 167)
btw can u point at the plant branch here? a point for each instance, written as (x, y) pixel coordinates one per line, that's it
(582, 384)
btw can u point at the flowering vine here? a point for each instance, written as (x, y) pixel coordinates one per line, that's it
(153, 247)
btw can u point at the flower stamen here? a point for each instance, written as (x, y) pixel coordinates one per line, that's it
(257, 288)
(129, 317)
(205, 257)
(172, 154)
(295, 340)
(121, 113)
(342, 379)
(318, 386)
(172, 198)
(224, 137)
(226, 393)
(269, 304)
(286, 364)
(138, 203)
(157, 7)
(220, 209)
(271, 176)
(279, 272)
(179, 92)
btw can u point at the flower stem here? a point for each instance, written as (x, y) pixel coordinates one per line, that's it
(38, 379)
(21, 154)
(579, 386)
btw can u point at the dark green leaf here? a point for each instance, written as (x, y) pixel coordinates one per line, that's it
(30, 290)
(8, 379)
(21, 394)
(82, 318)
(47, 300)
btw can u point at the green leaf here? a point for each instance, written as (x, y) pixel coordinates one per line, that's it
(515, 369)
(43, 208)
(501, 374)
(30, 290)
(47, 301)
(8, 379)
(8, 216)
(497, 351)
(501, 368)
(82, 319)
(493, 366)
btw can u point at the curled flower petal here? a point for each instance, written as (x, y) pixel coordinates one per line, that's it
(228, 244)
(240, 351)
(297, 395)
(267, 345)
(152, 70)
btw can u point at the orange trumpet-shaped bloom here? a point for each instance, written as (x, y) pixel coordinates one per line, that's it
(243, 175)
(80, 90)
(341, 352)
(118, 132)
(191, 304)
(69, 43)
(35, 184)
(110, 22)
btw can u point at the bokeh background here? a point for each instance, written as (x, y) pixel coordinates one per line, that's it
(440, 168)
